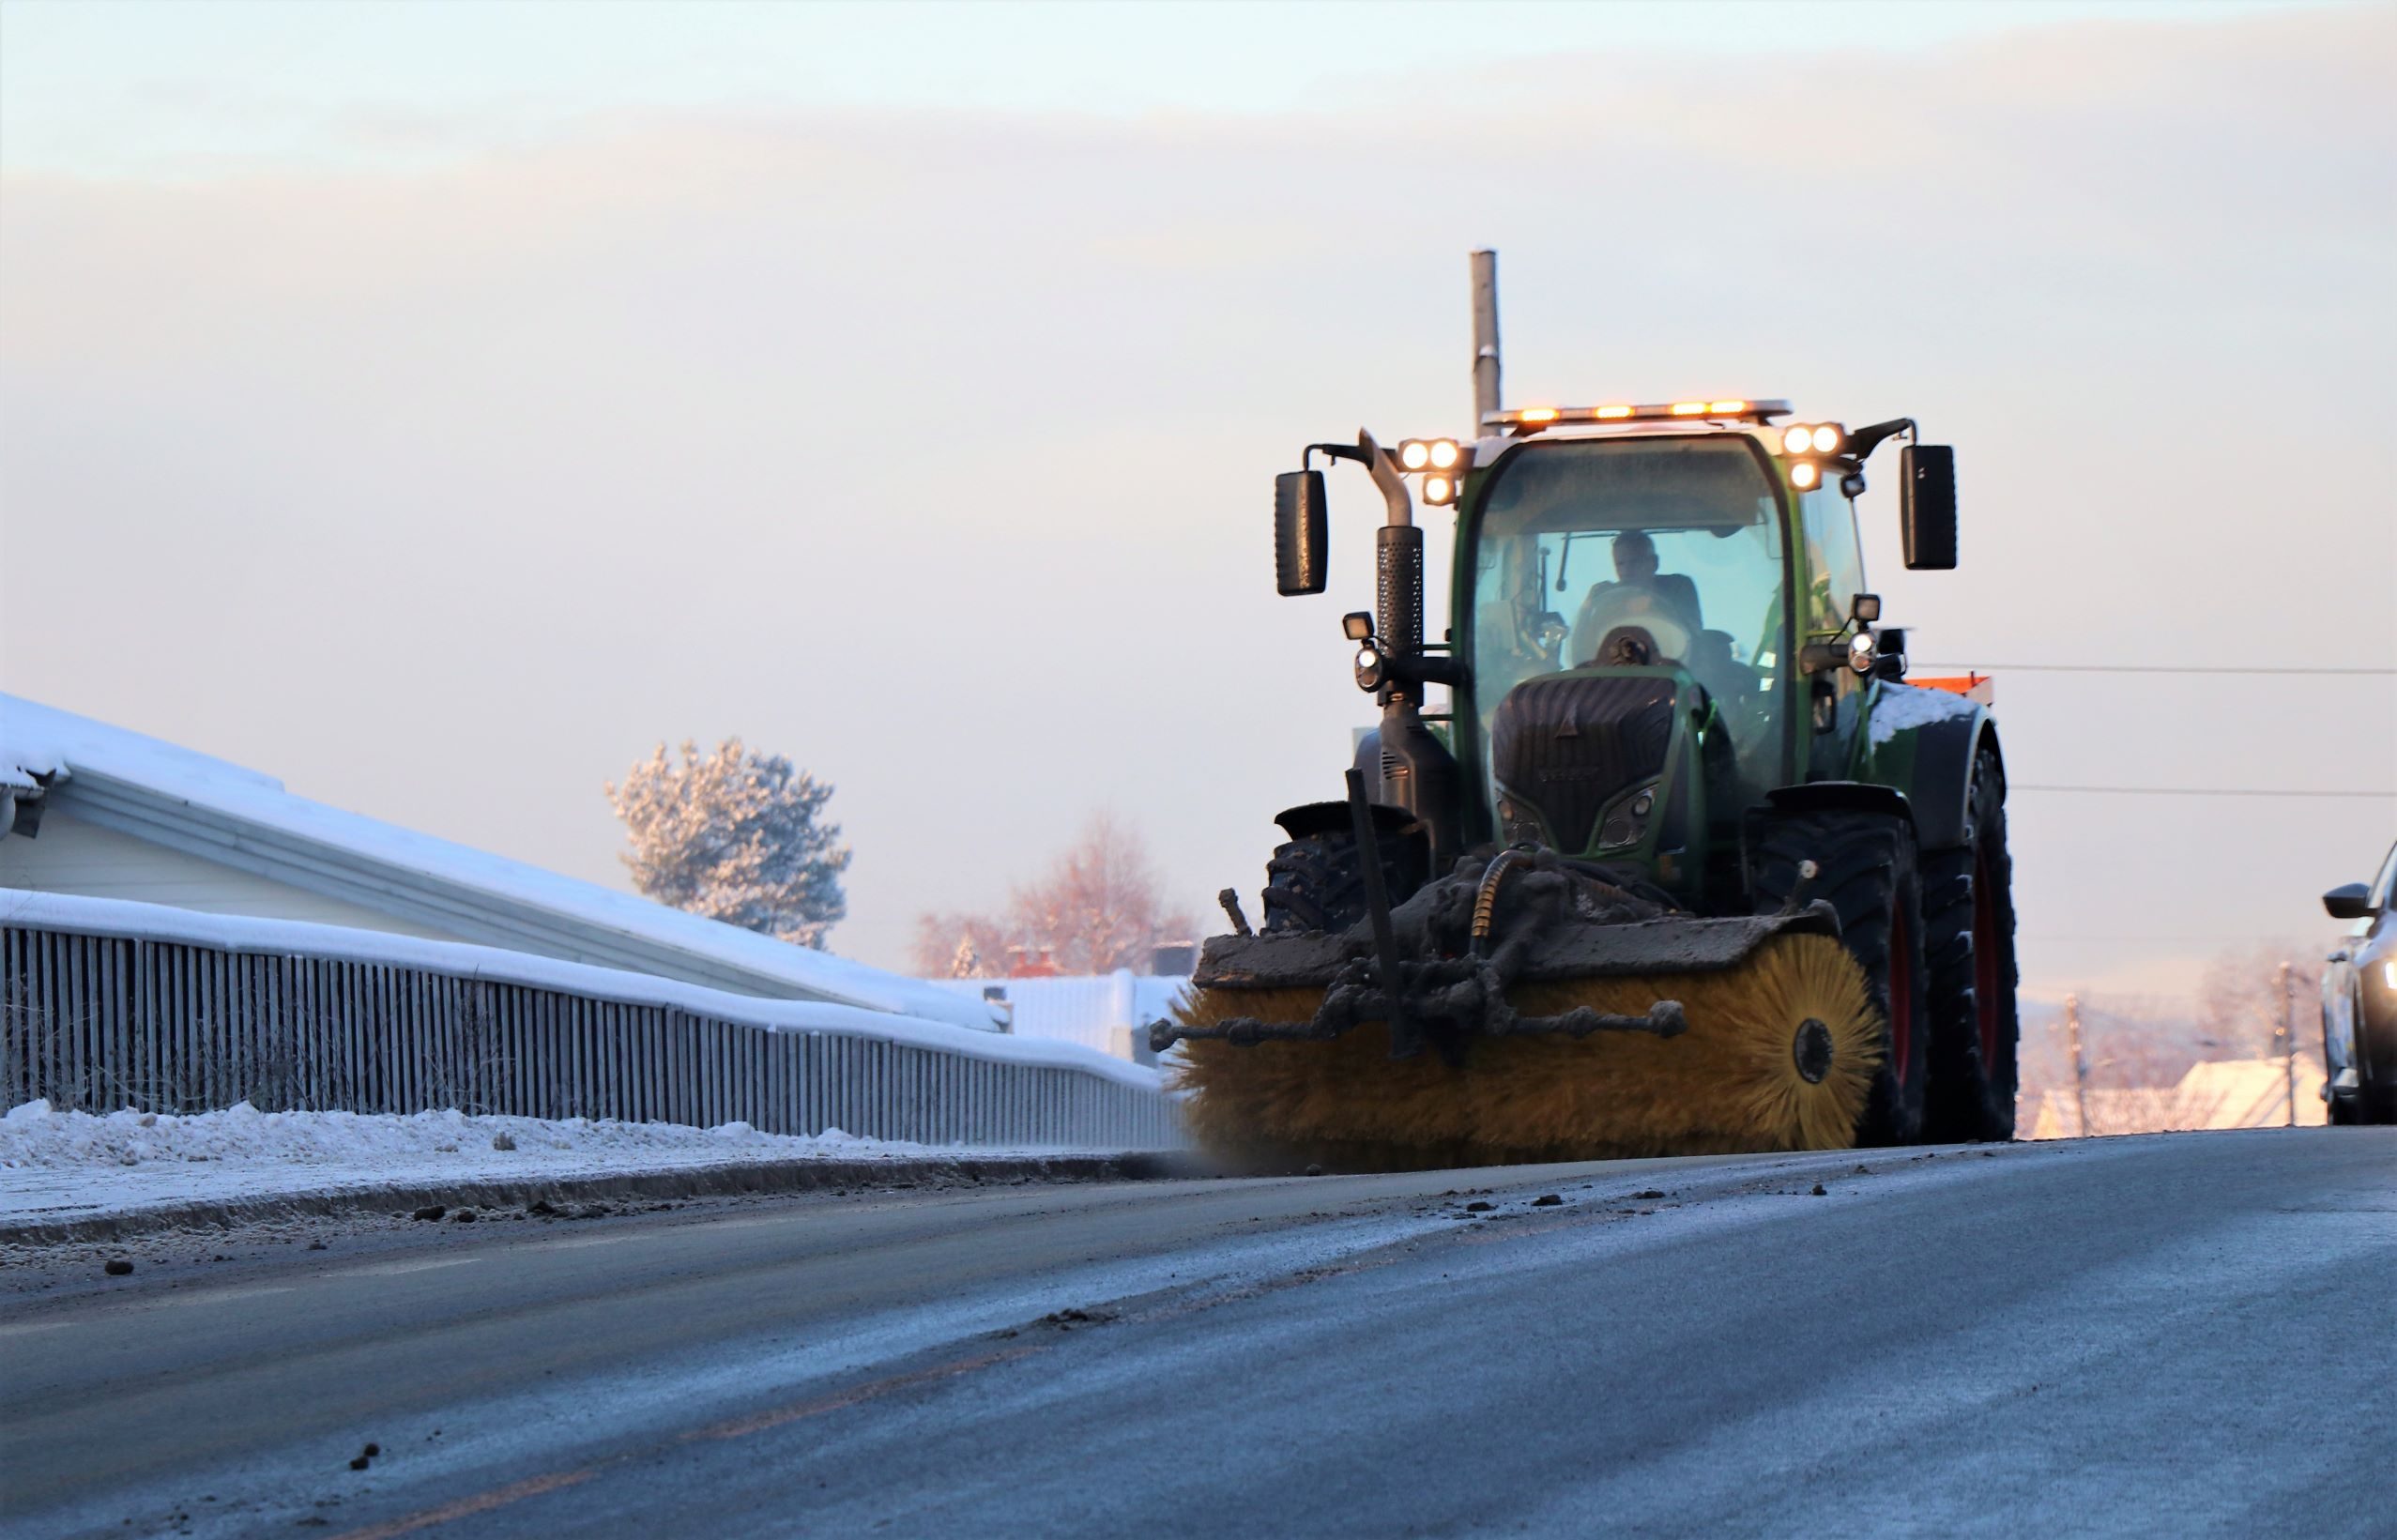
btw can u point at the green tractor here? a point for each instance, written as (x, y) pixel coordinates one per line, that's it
(1680, 864)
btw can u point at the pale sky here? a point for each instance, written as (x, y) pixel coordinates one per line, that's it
(439, 405)
(151, 87)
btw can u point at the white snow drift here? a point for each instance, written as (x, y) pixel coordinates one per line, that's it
(59, 1165)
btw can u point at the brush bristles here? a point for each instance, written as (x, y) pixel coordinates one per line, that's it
(1730, 1084)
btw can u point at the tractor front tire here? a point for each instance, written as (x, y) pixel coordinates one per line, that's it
(1865, 869)
(1318, 884)
(1968, 939)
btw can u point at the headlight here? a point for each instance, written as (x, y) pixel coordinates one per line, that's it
(1799, 439)
(1443, 453)
(1439, 490)
(1805, 474)
(1414, 454)
(1826, 438)
(1626, 819)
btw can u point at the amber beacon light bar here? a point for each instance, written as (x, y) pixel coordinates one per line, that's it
(1532, 419)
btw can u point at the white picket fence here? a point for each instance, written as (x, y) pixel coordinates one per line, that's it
(106, 1004)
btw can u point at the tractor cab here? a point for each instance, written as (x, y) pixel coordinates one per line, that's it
(1659, 614)
(1613, 591)
(1658, 617)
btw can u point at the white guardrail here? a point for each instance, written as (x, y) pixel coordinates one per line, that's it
(107, 1004)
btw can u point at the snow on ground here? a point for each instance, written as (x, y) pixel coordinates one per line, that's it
(59, 1165)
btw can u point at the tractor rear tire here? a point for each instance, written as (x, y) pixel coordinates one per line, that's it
(1968, 939)
(1317, 883)
(1865, 869)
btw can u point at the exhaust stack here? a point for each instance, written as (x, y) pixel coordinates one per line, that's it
(1486, 400)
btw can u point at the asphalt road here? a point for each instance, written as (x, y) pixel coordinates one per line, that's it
(2183, 1335)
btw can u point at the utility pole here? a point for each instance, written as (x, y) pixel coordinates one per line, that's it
(2287, 1033)
(2080, 1064)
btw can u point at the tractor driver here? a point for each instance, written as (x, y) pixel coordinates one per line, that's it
(1640, 591)
(1635, 562)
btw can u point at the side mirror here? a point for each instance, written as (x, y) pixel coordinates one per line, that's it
(2348, 901)
(1302, 532)
(1927, 505)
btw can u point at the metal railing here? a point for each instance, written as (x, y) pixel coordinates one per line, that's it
(103, 1022)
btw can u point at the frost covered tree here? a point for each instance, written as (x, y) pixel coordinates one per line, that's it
(2241, 1010)
(737, 836)
(1098, 908)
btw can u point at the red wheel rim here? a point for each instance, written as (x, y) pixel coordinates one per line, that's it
(1901, 997)
(1985, 963)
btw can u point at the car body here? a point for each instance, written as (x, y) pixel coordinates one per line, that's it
(2360, 1002)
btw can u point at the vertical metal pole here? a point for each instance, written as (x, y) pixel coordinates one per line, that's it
(2289, 1045)
(2080, 1063)
(1404, 1040)
(1486, 398)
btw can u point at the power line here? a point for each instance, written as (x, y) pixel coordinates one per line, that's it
(2210, 938)
(2194, 791)
(2154, 668)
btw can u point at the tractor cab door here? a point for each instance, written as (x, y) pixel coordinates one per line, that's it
(1833, 575)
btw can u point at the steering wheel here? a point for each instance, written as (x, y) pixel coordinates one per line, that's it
(1625, 618)
(1625, 647)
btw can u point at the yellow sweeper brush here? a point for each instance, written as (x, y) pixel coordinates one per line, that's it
(1763, 1036)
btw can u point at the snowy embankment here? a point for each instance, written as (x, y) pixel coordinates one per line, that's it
(58, 1165)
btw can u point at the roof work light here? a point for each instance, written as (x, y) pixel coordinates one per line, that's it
(1814, 439)
(1810, 444)
(1429, 454)
(1440, 461)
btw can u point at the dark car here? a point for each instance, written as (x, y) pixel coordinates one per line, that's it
(2359, 1003)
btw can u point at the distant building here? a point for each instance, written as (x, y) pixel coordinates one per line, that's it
(1109, 1012)
(2219, 1094)
(98, 812)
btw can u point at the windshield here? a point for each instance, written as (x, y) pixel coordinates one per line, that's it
(1630, 551)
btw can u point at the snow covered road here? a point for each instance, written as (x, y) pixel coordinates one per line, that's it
(2186, 1333)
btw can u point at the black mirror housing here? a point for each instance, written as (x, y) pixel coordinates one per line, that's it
(2348, 901)
(1927, 505)
(1302, 532)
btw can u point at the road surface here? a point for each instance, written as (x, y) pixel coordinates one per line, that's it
(2183, 1335)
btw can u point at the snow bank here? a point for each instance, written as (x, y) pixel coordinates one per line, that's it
(39, 1135)
(1899, 706)
(36, 739)
(59, 1165)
